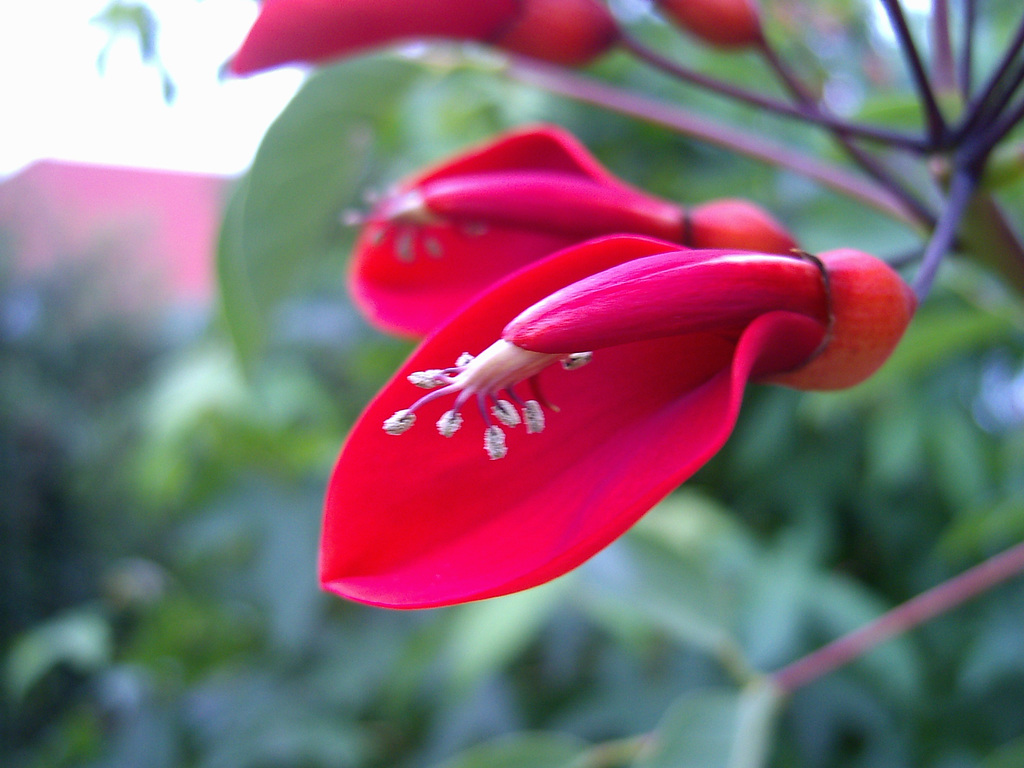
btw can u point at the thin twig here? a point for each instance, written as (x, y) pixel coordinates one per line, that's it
(943, 69)
(799, 112)
(870, 164)
(961, 188)
(933, 115)
(967, 49)
(986, 141)
(982, 106)
(581, 88)
(935, 602)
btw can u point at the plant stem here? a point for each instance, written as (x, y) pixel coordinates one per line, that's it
(967, 49)
(935, 602)
(961, 188)
(943, 69)
(581, 88)
(867, 162)
(937, 128)
(804, 111)
(981, 106)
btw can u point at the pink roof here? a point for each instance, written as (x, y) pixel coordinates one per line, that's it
(160, 226)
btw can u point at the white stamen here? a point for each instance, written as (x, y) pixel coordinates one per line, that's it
(428, 379)
(434, 247)
(494, 443)
(449, 423)
(464, 359)
(405, 247)
(534, 416)
(506, 413)
(400, 422)
(576, 360)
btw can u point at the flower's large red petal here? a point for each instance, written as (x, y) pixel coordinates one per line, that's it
(315, 30)
(418, 520)
(531, 148)
(407, 280)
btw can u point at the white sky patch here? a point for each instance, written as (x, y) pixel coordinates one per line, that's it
(56, 105)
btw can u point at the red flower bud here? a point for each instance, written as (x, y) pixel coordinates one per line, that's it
(568, 32)
(722, 23)
(313, 31)
(733, 223)
(871, 307)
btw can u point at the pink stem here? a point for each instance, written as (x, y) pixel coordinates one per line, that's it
(935, 602)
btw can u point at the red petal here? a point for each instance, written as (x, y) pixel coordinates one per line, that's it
(669, 294)
(554, 202)
(314, 30)
(533, 148)
(419, 520)
(411, 293)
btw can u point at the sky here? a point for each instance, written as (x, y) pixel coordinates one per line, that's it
(56, 105)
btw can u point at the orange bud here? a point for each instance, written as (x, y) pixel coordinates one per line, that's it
(567, 32)
(734, 223)
(871, 307)
(722, 23)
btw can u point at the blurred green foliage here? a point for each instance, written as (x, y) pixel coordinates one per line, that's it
(160, 500)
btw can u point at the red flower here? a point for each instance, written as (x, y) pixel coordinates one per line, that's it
(447, 233)
(415, 518)
(569, 32)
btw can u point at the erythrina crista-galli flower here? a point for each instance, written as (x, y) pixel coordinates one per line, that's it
(446, 233)
(604, 375)
(569, 32)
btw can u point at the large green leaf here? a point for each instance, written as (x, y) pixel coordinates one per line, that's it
(283, 225)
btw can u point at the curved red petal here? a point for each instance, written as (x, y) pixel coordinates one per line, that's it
(531, 148)
(407, 280)
(314, 30)
(419, 520)
(670, 294)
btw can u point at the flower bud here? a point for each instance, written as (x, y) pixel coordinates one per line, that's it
(567, 32)
(870, 307)
(721, 23)
(734, 223)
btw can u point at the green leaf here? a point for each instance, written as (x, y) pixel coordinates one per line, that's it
(80, 638)
(283, 230)
(716, 728)
(526, 750)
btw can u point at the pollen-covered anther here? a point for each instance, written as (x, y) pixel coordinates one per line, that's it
(506, 413)
(463, 360)
(533, 414)
(449, 423)
(428, 379)
(576, 360)
(400, 422)
(494, 443)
